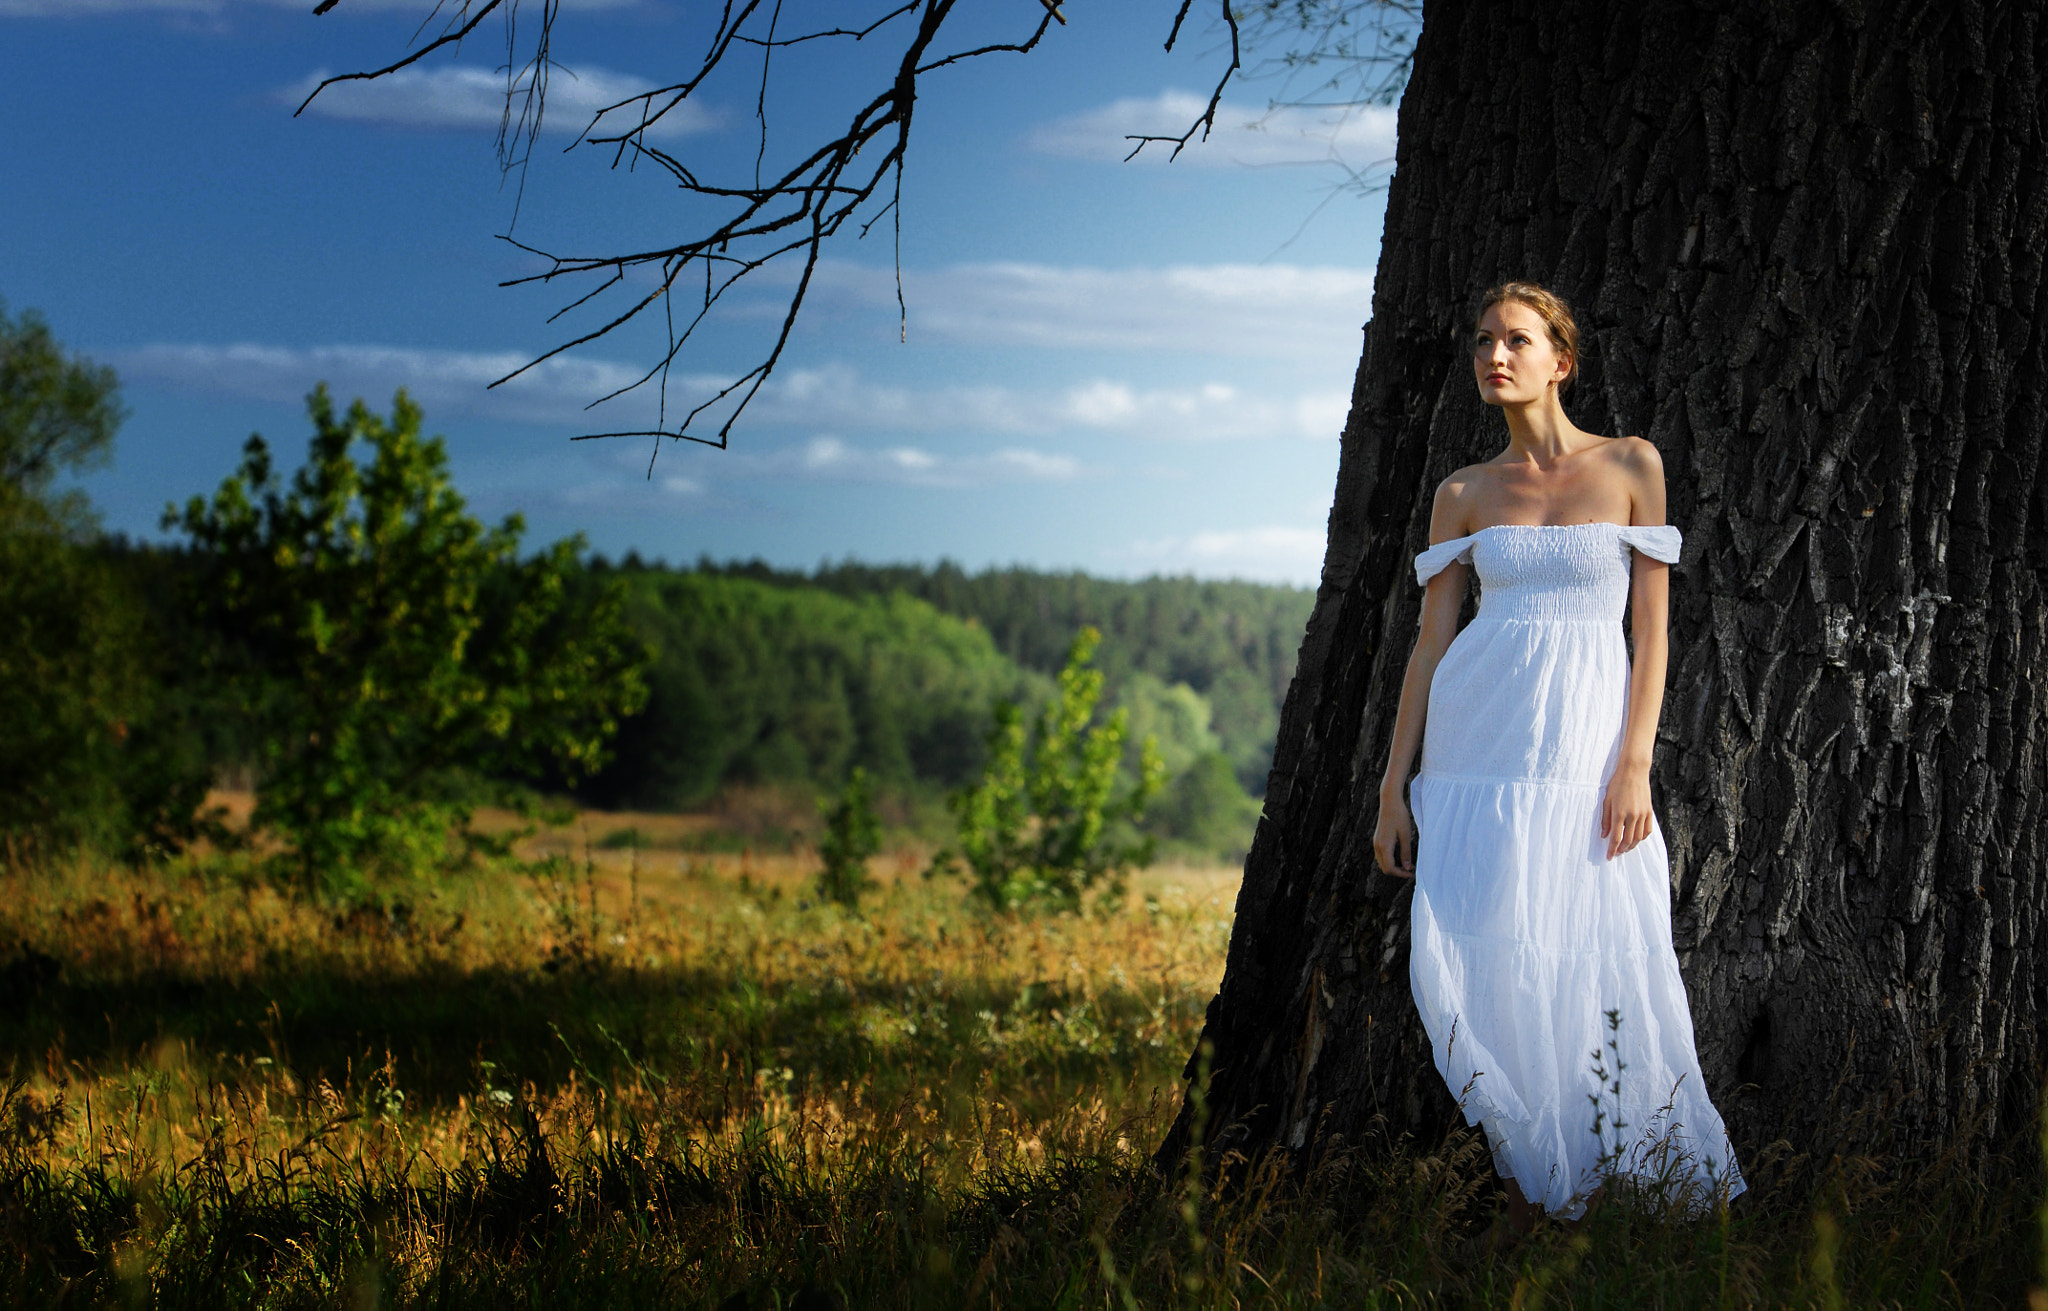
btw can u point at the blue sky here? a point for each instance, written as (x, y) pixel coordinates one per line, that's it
(1125, 368)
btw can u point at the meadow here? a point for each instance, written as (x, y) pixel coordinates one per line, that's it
(639, 1064)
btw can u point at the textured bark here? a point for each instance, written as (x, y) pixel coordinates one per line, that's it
(1805, 241)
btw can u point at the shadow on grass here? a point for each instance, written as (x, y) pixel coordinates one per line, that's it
(440, 1023)
(592, 1214)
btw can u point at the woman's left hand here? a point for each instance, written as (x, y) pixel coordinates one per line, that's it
(1625, 814)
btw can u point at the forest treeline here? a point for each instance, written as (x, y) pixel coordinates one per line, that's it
(1231, 643)
(760, 676)
(377, 662)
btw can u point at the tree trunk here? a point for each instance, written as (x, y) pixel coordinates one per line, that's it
(1805, 242)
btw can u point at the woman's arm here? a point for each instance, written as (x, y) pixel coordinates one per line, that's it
(1393, 841)
(1625, 816)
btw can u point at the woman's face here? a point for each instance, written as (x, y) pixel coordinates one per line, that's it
(1512, 358)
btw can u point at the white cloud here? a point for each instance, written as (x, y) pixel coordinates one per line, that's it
(616, 477)
(833, 398)
(444, 382)
(1272, 553)
(1307, 317)
(1305, 313)
(1355, 137)
(457, 97)
(832, 459)
(839, 397)
(717, 477)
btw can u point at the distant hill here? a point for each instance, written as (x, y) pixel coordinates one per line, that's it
(758, 684)
(1234, 643)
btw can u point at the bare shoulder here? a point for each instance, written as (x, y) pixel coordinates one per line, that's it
(1456, 496)
(1636, 456)
(1641, 470)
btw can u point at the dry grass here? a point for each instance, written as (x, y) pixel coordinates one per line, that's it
(651, 1073)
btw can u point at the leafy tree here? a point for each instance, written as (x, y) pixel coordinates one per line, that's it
(87, 755)
(1176, 718)
(1204, 809)
(1043, 826)
(390, 643)
(57, 413)
(853, 834)
(72, 686)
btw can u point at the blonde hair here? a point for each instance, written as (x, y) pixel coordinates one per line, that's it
(1558, 323)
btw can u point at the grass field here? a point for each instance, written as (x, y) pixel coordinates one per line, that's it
(653, 1072)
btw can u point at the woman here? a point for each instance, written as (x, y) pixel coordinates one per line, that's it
(1541, 958)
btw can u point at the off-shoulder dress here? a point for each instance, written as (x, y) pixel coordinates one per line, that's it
(1543, 970)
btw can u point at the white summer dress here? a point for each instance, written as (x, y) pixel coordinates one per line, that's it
(1525, 935)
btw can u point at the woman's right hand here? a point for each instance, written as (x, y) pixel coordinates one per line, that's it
(1393, 842)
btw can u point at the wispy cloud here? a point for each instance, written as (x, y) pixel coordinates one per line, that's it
(832, 459)
(829, 399)
(838, 397)
(1305, 316)
(474, 98)
(1270, 553)
(1284, 311)
(442, 381)
(1355, 137)
(626, 490)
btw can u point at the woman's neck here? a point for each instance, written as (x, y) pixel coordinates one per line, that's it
(1540, 433)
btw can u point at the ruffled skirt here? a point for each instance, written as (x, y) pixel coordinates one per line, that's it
(1544, 972)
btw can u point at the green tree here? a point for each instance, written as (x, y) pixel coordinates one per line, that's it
(1205, 810)
(1046, 823)
(87, 755)
(853, 834)
(1175, 716)
(73, 691)
(391, 644)
(57, 414)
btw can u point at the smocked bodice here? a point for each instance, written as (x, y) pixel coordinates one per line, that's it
(1554, 573)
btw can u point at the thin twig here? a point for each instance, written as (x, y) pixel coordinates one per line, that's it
(1207, 121)
(413, 58)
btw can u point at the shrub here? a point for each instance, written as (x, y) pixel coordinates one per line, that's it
(853, 834)
(1046, 823)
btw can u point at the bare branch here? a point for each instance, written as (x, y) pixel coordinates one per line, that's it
(1010, 48)
(453, 38)
(855, 32)
(849, 174)
(1178, 19)
(1207, 121)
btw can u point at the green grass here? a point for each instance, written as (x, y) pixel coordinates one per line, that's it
(659, 1084)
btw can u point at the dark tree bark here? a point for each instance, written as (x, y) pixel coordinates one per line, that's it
(1806, 244)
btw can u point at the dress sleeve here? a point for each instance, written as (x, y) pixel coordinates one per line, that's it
(1431, 562)
(1659, 543)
